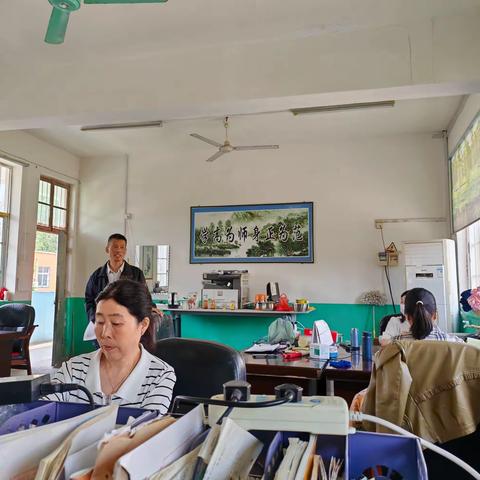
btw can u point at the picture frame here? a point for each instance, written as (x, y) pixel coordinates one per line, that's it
(148, 261)
(253, 233)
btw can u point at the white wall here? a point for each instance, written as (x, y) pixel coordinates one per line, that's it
(351, 182)
(208, 79)
(44, 159)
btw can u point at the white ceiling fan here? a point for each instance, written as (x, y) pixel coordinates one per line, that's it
(227, 147)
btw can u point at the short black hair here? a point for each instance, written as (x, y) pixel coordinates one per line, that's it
(404, 293)
(116, 236)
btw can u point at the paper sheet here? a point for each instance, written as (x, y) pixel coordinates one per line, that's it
(162, 449)
(262, 348)
(235, 453)
(89, 333)
(182, 469)
(122, 441)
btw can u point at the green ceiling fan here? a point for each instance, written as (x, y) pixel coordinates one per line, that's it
(57, 26)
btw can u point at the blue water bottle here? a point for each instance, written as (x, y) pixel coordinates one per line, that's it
(354, 341)
(367, 346)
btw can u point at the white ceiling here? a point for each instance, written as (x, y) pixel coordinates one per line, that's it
(408, 116)
(123, 30)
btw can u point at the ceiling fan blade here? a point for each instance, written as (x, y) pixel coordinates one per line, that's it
(215, 156)
(57, 26)
(93, 2)
(207, 140)
(257, 147)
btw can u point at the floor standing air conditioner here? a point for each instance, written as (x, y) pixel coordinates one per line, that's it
(432, 265)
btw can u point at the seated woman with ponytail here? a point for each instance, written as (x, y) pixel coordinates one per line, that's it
(121, 371)
(421, 314)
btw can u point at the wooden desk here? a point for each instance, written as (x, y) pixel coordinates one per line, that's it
(6, 345)
(346, 383)
(310, 374)
(265, 374)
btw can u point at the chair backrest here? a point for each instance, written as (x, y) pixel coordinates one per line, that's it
(163, 327)
(16, 317)
(433, 384)
(201, 367)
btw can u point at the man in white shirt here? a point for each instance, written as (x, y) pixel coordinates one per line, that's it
(113, 270)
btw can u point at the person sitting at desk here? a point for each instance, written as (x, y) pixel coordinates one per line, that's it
(421, 314)
(397, 324)
(122, 370)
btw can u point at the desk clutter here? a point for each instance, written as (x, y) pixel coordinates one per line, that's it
(318, 342)
(308, 439)
(228, 290)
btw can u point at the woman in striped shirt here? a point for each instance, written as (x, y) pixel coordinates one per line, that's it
(122, 371)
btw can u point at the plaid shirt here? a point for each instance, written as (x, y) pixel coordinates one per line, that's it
(435, 334)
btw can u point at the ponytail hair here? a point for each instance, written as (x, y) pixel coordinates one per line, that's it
(136, 298)
(420, 307)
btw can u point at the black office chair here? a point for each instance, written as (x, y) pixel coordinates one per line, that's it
(201, 367)
(18, 317)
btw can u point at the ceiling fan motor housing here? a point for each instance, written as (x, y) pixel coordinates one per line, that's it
(66, 5)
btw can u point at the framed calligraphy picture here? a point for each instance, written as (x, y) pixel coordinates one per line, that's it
(147, 261)
(276, 232)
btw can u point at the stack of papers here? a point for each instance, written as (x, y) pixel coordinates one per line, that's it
(228, 452)
(21, 452)
(78, 450)
(263, 348)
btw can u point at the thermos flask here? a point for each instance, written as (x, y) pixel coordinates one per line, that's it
(367, 346)
(354, 341)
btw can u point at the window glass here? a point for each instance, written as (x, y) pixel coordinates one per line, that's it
(52, 213)
(59, 218)
(5, 185)
(44, 192)
(43, 276)
(60, 196)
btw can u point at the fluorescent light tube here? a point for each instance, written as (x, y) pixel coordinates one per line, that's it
(115, 126)
(338, 108)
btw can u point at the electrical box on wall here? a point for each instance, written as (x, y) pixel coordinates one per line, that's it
(388, 258)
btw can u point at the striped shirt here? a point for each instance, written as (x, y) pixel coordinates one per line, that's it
(435, 334)
(150, 384)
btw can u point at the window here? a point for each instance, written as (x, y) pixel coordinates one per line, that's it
(162, 265)
(5, 187)
(465, 173)
(43, 277)
(468, 242)
(52, 212)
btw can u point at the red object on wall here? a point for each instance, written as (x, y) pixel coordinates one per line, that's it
(3, 294)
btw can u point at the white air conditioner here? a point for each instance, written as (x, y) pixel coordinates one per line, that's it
(432, 265)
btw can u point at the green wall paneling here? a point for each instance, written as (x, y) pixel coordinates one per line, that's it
(240, 332)
(76, 322)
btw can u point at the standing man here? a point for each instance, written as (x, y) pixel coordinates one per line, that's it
(113, 270)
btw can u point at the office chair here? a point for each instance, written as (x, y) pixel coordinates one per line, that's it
(18, 317)
(201, 367)
(431, 388)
